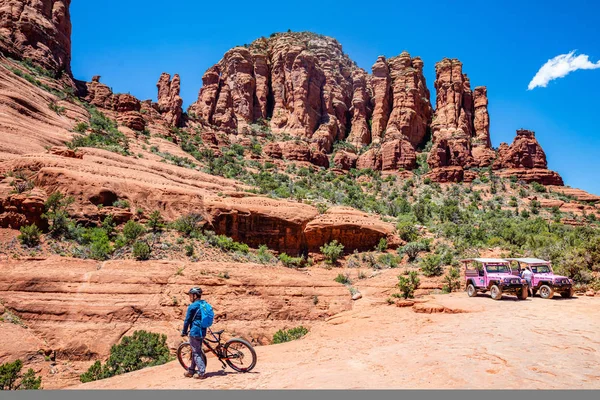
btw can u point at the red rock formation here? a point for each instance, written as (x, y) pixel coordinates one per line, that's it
(525, 159)
(360, 135)
(169, 100)
(345, 160)
(398, 154)
(382, 99)
(297, 150)
(126, 106)
(411, 109)
(481, 123)
(18, 210)
(371, 159)
(39, 30)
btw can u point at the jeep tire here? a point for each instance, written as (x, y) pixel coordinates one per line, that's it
(567, 294)
(495, 292)
(471, 290)
(523, 293)
(546, 292)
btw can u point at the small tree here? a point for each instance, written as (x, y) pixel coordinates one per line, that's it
(57, 213)
(408, 285)
(10, 373)
(452, 279)
(332, 251)
(30, 235)
(282, 336)
(156, 222)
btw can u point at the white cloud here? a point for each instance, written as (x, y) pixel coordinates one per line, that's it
(559, 67)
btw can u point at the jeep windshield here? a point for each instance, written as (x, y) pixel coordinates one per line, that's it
(541, 269)
(497, 268)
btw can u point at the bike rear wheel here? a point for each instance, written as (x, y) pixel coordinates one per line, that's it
(184, 355)
(240, 355)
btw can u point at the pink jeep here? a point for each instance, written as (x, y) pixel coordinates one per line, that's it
(495, 275)
(543, 280)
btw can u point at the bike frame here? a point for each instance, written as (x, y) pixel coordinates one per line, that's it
(217, 350)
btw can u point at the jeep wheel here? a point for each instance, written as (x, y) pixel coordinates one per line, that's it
(546, 292)
(471, 291)
(523, 293)
(567, 294)
(496, 292)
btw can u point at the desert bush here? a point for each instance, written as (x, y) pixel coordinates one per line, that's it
(143, 349)
(282, 336)
(141, 251)
(188, 224)
(413, 249)
(343, 279)
(189, 249)
(21, 186)
(265, 256)
(407, 231)
(431, 265)
(122, 203)
(30, 235)
(408, 285)
(133, 230)
(382, 245)
(332, 251)
(389, 260)
(228, 244)
(292, 262)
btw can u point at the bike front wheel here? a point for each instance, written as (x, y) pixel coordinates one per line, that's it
(184, 355)
(240, 355)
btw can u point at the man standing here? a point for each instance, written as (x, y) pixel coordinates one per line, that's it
(527, 275)
(196, 313)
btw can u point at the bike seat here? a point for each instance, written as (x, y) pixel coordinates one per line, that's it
(219, 332)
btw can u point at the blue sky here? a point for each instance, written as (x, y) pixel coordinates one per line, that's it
(502, 45)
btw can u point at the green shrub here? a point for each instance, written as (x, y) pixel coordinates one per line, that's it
(265, 256)
(408, 285)
(332, 251)
(81, 127)
(431, 265)
(30, 235)
(122, 203)
(452, 279)
(413, 249)
(407, 231)
(189, 249)
(141, 251)
(143, 349)
(282, 336)
(56, 108)
(99, 244)
(133, 230)
(382, 245)
(292, 262)
(389, 260)
(10, 373)
(537, 187)
(104, 134)
(228, 244)
(109, 225)
(188, 224)
(343, 279)
(156, 222)
(56, 212)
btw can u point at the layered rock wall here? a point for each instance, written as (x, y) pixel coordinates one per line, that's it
(39, 30)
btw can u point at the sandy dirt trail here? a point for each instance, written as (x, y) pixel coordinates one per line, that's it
(532, 344)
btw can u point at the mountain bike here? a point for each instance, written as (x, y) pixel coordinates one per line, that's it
(237, 353)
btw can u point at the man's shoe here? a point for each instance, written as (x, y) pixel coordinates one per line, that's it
(188, 374)
(200, 376)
